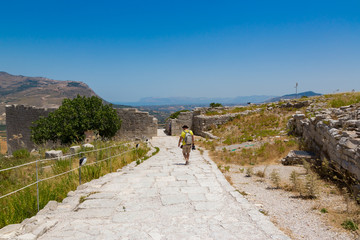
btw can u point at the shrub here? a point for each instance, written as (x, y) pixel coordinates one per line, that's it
(350, 225)
(175, 115)
(311, 186)
(324, 210)
(275, 178)
(215, 105)
(296, 181)
(249, 172)
(21, 154)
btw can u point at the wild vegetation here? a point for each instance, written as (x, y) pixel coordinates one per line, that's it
(73, 118)
(23, 204)
(260, 138)
(177, 113)
(213, 105)
(342, 99)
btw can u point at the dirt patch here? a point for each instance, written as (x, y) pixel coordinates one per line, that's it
(300, 218)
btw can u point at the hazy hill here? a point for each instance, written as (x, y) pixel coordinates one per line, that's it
(292, 96)
(151, 101)
(38, 91)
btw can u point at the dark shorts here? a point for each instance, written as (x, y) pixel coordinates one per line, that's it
(186, 148)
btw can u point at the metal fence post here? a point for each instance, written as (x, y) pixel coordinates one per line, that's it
(109, 156)
(80, 175)
(37, 186)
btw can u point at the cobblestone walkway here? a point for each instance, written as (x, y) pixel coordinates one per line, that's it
(159, 199)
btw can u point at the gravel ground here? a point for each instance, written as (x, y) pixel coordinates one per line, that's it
(299, 218)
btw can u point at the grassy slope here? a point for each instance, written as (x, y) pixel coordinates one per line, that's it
(21, 205)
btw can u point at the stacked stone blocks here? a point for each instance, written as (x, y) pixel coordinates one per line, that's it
(19, 119)
(136, 124)
(333, 134)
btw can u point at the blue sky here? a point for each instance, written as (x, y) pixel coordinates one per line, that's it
(126, 50)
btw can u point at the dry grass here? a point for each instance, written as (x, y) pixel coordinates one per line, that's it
(336, 206)
(255, 126)
(260, 129)
(262, 126)
(228, 178)
(265, 154)
(23, 204)
(3, 146)
(343, 99)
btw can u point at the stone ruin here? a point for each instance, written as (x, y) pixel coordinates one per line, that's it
(135, 125)
(201, 124)
(295, 157)
(333, 134)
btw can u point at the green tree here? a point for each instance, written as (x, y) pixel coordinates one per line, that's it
(215, 105)
(75, 116)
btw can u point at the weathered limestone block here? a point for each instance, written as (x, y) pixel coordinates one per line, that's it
(350, 153)
(9, 231)
(297, 157)
(335, 123)
(320, 117)
(352, 124)
(19, 119)
(174, 126)
(88, 145)
(355, 141)
(75, 149)
(136, 124)
(299, 116)
(336, 139)
(53, 154)
(345, 142)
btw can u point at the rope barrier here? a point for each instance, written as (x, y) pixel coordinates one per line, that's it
(22, 165)
(18, 190)
(71, 170)
(57, 158)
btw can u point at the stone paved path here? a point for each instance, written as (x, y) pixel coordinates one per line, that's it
(159, 199)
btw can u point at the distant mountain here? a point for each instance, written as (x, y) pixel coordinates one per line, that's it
(152, 101)
(292, 96)
(38, 91)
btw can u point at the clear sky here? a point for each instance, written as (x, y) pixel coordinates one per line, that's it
(126, 50)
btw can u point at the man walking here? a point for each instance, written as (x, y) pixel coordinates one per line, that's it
(187, 142)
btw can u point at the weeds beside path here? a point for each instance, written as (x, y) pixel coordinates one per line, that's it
(56, 178)
(300, 218)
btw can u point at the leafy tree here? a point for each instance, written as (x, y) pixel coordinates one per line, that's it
(75, 116)
(215, 105)
(176, 114)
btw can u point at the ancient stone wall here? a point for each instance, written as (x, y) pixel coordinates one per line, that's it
(19, 119)
(199, 122)
(203, 123)
(173, 127)
(136, 124)
(333, 134)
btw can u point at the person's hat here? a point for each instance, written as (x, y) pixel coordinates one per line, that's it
(185, 126)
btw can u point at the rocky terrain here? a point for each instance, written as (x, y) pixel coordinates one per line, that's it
(334, 134)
